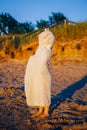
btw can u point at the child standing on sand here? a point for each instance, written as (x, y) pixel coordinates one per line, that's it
(37, 76)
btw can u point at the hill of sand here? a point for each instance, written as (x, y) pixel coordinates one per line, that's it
(68, 110)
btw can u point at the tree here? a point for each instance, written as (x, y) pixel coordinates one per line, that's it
(29, 27)
(56, 18)
(24, 27)
(51, 20)
(7, 21)
(42, 24)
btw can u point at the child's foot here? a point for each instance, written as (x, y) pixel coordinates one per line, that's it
(37, 114)
(44, 115)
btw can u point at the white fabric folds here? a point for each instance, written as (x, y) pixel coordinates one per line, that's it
(37, 76)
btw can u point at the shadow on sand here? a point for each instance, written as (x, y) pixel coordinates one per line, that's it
(67, 93)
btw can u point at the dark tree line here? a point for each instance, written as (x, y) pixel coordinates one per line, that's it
(7, 21)
(10, 25)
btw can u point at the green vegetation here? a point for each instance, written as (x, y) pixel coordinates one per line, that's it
(9, 25)
(21, 46)
(71, 31)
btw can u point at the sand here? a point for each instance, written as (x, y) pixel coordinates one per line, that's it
(68, 110)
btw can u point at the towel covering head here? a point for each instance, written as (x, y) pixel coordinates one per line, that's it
(46, 38)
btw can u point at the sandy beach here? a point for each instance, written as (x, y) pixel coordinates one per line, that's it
(68, 110)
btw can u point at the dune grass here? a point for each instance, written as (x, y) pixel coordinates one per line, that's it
(15, 46)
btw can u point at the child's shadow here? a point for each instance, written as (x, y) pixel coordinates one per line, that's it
(67, 93)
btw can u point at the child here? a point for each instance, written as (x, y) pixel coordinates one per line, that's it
(37, 76)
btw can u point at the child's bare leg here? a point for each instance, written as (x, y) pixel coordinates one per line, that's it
(39, 112)
(45, 112)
